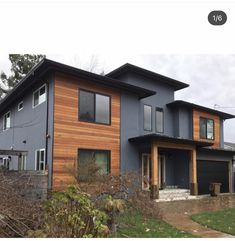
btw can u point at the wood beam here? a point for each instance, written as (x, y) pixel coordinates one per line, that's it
(193, 173)
(154, 169)
(175, 146)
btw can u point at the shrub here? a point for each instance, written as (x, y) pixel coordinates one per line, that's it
(71, 213)
(19, 211)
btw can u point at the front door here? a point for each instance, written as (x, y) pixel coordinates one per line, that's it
(146, 171)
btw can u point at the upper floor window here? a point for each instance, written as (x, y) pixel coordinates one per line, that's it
(20, 106)
(90, 161)
(7, 121)
(147, 117)
(206, 128)
(39, 96)
(159, 120)
(94, 107)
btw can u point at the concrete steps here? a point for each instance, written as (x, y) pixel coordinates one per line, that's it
(174, 194)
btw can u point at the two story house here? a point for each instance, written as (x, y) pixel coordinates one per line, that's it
(60, 117)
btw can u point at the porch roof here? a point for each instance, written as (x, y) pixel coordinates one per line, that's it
(12, 152)
(169, 139)
(217, 149)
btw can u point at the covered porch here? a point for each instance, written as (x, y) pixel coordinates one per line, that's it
(168, 163)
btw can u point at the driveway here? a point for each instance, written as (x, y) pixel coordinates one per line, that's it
(177, 213)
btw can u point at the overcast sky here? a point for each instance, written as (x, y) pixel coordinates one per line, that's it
(211, 77)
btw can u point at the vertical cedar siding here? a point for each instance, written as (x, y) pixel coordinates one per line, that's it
(196, 126)
(70, 134)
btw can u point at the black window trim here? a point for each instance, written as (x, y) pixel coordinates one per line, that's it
(96, 150)
(205, 118)
(160, 110)
(110, 107)
(151, 117)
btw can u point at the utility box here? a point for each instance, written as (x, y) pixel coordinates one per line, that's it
(214, 189)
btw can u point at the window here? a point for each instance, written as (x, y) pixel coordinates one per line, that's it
(20, 106)
(6, 162)
(39, 96)
(90, 160)
(147, 117)
(206, 128)
(40, 161)
(7, 121)
(159, 120)
(22, 163)
(94, 107)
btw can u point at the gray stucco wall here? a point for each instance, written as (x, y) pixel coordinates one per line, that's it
(28, 125)
(165, 94)
(132, 118)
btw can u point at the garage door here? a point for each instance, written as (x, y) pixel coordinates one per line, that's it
(212, 171)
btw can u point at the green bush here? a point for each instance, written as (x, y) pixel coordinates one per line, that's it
(72, 214)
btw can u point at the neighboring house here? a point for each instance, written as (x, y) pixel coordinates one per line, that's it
(127, 120)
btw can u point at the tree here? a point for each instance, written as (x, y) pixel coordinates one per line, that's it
(20, 66)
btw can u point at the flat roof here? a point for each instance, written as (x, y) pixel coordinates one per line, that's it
(217, 149)
(178, 85)
(181, 103)
(46, 66)
(165, 138)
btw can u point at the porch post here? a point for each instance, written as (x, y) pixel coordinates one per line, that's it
(230, 174)
(154, 171)
(193, 173)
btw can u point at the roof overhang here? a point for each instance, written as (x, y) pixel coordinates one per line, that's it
(47, 66)
(181, 103)
(216, 150)
(177, 85)
(155, 137)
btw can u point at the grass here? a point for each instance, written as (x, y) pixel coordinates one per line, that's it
(134, 224)
(222, 220)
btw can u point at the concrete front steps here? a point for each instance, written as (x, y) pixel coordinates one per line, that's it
(174, 194)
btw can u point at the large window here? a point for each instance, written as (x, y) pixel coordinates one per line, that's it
(40, 160)
(147, 117)
(159, 120)
(90, 161)
(206, 128)
(94, 107)
(39, 96)
(7, 121)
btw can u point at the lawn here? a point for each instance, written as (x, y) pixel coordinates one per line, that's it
(223, 220)
(133, 224)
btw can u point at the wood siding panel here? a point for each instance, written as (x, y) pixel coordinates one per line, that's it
(70, 134)
(196, 126)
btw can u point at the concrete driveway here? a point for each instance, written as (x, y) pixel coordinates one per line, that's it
(177, 213)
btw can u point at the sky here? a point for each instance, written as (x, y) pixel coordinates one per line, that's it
(211, 77)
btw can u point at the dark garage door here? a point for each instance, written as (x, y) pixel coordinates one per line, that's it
(212, 171)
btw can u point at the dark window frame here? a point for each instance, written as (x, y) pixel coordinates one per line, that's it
(99, 151)
(151, 117)
(204, 118)
(95, 122)
(159, 110)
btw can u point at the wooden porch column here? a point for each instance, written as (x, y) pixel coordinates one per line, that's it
(230, 175)
(154, 169)
(193, 173)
